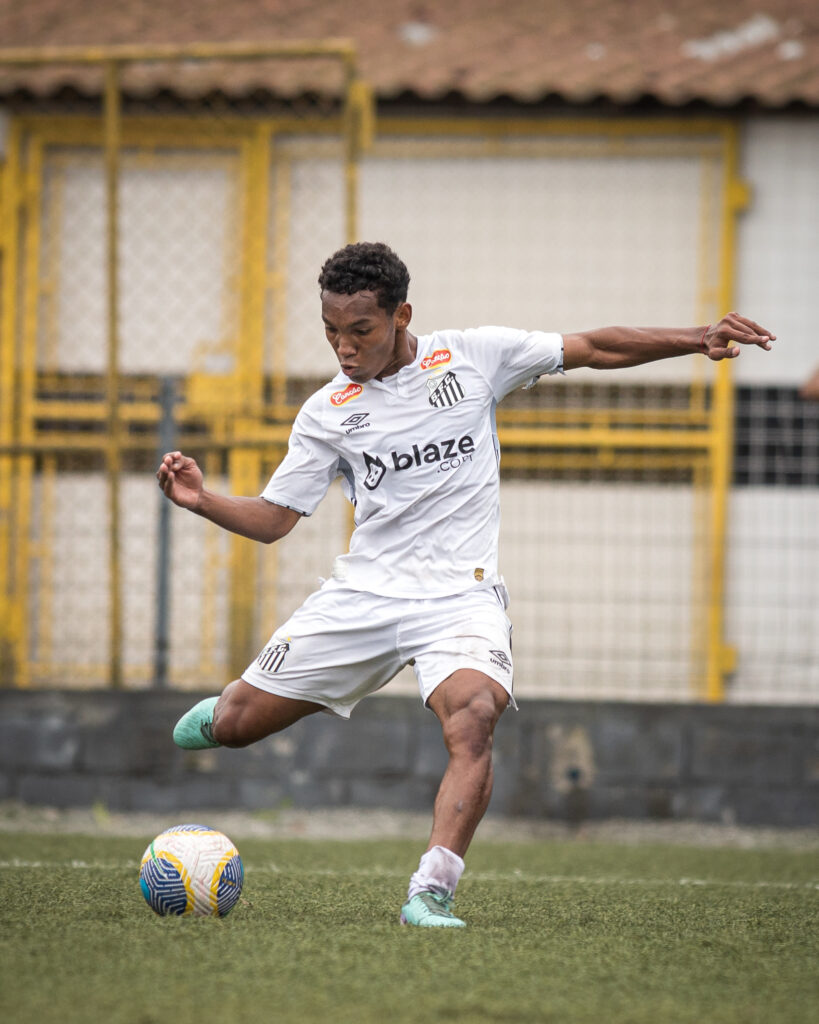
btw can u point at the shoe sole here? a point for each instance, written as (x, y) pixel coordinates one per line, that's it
(403, 920)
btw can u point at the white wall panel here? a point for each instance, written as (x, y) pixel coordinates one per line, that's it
(778, 263)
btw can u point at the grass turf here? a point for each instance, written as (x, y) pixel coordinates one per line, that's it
(564, 932)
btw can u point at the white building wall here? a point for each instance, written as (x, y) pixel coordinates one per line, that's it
(778, 258)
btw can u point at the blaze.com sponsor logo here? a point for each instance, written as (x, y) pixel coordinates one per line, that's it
(446, 455)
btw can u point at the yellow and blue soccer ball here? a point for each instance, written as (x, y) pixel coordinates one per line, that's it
(191, 869)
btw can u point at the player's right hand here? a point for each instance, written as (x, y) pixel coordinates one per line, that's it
(180, 479)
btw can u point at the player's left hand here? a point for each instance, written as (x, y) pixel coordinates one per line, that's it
(733, 327)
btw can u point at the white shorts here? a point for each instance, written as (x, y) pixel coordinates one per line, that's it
(344, 644)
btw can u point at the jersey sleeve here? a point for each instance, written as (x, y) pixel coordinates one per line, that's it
(303, 476)
(511, 358)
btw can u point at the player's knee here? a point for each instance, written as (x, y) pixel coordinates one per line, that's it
(227, 725)
(468, 732)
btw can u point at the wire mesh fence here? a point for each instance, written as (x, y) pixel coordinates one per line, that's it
(159, 290)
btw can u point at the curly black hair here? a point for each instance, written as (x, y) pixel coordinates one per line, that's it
(367, 266)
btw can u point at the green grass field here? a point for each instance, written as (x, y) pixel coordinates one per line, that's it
(560, 931)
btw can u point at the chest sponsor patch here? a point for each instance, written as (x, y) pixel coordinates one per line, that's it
(445, 456)
(347, 395)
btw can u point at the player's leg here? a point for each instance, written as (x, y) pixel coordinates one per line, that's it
(332, 651)
(245, 714)
(242, 715)
(468, 704)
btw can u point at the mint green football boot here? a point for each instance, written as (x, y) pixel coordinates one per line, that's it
(431, 910)
(194, 730)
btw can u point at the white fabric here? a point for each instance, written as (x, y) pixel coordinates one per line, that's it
(343, 644)
(438, 869)
(419, 456)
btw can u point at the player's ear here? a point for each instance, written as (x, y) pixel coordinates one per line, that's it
(403, 315)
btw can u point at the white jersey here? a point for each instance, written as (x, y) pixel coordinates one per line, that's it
(419, 456)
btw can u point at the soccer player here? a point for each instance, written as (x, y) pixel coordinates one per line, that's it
(408, 424)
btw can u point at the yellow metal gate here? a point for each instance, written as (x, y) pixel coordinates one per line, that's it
(159, 257)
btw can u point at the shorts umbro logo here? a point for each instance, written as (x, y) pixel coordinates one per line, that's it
(501, 660)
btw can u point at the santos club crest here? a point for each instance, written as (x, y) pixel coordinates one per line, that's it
(444, 391)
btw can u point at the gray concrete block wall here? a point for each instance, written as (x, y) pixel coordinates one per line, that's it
(558, 760)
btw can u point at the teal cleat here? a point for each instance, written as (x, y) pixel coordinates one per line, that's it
(194, 730)
(431, 910)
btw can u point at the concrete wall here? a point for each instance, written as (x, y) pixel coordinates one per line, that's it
(553, 759)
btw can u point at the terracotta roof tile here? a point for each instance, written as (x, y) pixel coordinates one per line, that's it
(766, 50)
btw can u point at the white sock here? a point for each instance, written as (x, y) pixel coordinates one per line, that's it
(439, 869)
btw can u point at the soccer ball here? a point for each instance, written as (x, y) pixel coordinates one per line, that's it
(191, 869)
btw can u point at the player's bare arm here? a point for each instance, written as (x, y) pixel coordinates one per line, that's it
(610, 348)
(181, 480)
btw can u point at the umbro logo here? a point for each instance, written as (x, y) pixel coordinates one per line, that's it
(358, 421)
(501, 659)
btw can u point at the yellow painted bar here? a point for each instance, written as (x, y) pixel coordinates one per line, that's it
(700, 568)
(88, 410)
(212, 570)
(113, 453)
(172, 130)
(359, 133)
(44, 644)
(296, 48)
(543, 437)
(251, 433)
(11, 610)
(249, 369)
(601, 417)
(245, 464)
(721, 658)
(69, 410)
(245, 473)
(638, 128)
(282, 213)
(27, 376)
(597, 460)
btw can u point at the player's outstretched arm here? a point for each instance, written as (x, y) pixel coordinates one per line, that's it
(181, 480)
(608, 348)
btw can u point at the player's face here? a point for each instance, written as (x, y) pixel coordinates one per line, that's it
(368, 341)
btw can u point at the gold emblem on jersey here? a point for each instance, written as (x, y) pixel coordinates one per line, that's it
(479, 575)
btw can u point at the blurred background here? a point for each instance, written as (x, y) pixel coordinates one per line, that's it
(173, 175)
